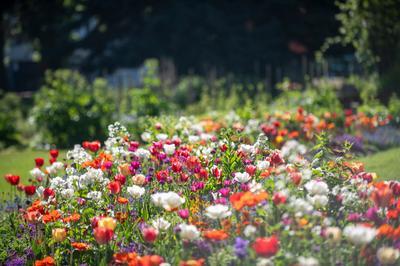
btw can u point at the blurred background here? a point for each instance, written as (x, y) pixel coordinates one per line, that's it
(71, 67)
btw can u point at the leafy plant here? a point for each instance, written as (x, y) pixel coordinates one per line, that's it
(68, 109)
(10, 115)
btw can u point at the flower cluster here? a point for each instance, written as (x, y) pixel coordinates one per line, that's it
(197, 197)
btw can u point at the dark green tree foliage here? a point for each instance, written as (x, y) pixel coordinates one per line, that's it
(372, 27)
(232, 36)
(10, 116)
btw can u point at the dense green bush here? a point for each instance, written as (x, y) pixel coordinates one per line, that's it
(316, 98)
(10, 115)
(68, 109)
(394, 108)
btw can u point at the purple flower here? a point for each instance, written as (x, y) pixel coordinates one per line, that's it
(354, 217)
(16, 261)
(224, 192)
(203, 248)
(244, 187)
(184, 213)
(241, 247)
(372, 215)
(108, 164)
(221, 201)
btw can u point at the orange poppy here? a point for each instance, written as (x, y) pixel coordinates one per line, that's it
(80, 246)
(122, 200)
(198, 262)
(72, 218)
(52, 216)
(121, 216)
(385, 230)
(217, 235)
(125, 258)
(48, 261)
(249, 199)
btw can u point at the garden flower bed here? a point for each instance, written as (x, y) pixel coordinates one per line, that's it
(204, 195)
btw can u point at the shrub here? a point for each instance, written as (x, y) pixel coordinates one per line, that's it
(10, 115)
(68, 109)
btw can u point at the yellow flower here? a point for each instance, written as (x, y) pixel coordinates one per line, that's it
(388, 255)
(59, 234)
(279, 139)
(108, 223)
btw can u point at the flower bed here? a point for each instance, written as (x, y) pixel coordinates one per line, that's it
(190, 197)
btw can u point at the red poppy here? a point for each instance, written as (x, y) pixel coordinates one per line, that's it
(52, 160)
(54, 153)
(114, 187)
(266, 246)
(93, 146)
(39, 162)
(30, 190)
(12, 179)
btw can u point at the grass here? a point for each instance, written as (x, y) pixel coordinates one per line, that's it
(386, 163)
(20, 162)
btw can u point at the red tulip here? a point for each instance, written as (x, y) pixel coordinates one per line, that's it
(54, 153)
(120, 178)
(94, 146)
(278, 198)
(149, 234)
(39, 162)
(216, 172)
(251, 169)
(296, 177)
(30, 190)
(12, 179)
(48, 192)
(114, 187)
(382, 196)
(276, 158)
(266, 246)
(103, 235)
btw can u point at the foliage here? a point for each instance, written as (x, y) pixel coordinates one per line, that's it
(372, 28)
(315, 98)
(394, 107)
(68, 109)
(10, 117)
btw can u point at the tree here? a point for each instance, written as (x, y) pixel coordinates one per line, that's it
(372, 28)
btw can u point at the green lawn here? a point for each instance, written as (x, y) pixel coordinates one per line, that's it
(386, 163)
(20, 162)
